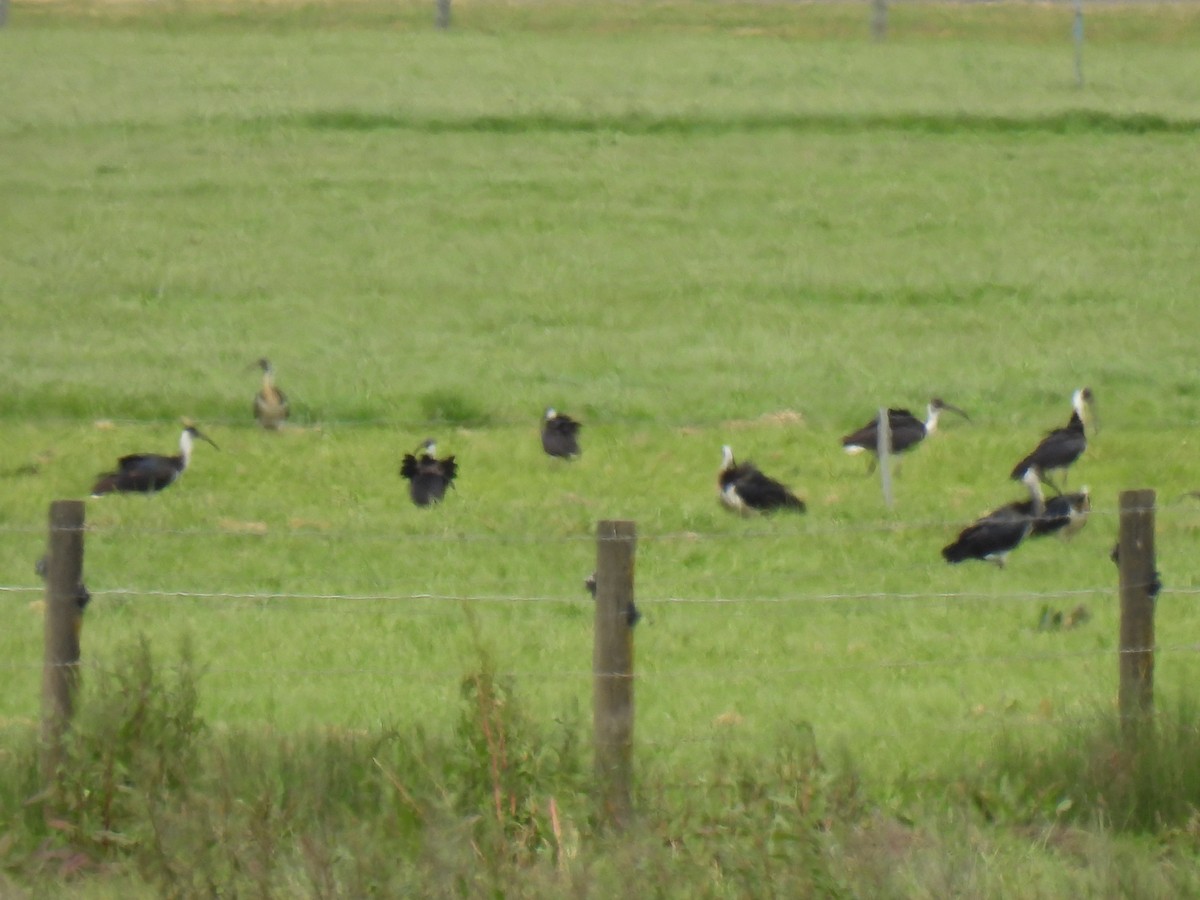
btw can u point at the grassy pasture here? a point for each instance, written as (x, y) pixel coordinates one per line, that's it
(689, 224)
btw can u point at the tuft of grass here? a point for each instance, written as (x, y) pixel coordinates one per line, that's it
(1138, 777)
(449, 407)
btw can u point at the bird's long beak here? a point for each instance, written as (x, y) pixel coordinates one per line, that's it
(205, 437)
(955, 409)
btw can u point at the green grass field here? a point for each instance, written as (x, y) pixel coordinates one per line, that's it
(688, 224)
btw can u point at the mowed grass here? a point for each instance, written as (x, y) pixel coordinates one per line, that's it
(685, 230)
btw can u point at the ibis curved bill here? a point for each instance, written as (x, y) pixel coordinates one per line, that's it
(906, 429)
(148, 473)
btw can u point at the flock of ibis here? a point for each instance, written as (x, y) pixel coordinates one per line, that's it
(742, 487)
(745, 489)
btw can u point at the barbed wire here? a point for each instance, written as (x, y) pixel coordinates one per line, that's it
(258, 530)
(459, 598)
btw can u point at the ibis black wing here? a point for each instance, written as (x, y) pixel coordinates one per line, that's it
(559, 437)
(758, 491)
(996, 534)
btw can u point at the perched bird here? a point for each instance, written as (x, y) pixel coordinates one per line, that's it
(1065, 514)
(560, 434)
(149, 472)
(632, 614)
(270, 403)
(1062, 446)
(744, 489)
(907, 430)
(428, 477)
(998, 533)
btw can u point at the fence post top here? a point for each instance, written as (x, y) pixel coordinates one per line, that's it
(616, 529)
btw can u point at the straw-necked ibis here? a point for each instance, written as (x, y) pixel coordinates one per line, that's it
(147, 473)
(428, 477)
(744, 489)
(1064, 515)
(998, 533)
(271, 406)
(560, 434)
(1062, 446)
(907, 430)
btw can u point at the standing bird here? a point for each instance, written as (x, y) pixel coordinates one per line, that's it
(560, 434)
(744, 489)
(428, 477)
(1062, 446)
(270, 403)
(1065, 514)
(148, 473)
(998, 533)
(907, 430)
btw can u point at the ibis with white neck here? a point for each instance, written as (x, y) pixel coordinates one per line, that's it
(994, 536)
(907, 430)
(746, 490)
(1059, 449)
(148, 473)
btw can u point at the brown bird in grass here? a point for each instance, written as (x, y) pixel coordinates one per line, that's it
(271, 406)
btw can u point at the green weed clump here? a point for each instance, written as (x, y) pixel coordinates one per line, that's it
(1141, 777)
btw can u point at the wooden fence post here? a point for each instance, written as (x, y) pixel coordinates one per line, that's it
(1077, 35)
(60, 669)
(879, 14)
(612, 670)
(1138, 577)
(883, 454)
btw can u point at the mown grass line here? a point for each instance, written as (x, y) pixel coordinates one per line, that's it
(1080, 121)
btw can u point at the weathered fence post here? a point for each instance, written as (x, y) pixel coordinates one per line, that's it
(442, 19)
(612, 670)
(1138, 577)
(60, 669)
(879, 12)
(883, 453)
(1077, 34)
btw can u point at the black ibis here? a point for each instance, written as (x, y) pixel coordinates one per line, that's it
(428, 477)
(1064, 515)
(998, 533)
(270, 403)
(907, 430)
(1062, 446)
(148, 473)
(560, 434)
(744, 489)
